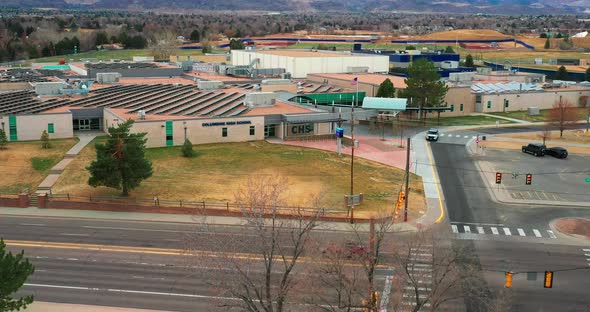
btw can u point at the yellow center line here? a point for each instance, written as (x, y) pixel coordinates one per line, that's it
(155, 251)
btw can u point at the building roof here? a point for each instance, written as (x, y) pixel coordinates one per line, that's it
(397, 104)
(303, 53)
(279, 108)
(372, 79)
(174, 80)
(505, 87)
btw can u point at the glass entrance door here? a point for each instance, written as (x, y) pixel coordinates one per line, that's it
(84, 124)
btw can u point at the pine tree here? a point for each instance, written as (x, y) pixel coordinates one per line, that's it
(587, 74)
(562, 74)
(195, 35)
(3, 139)
(45, 139)
(386, 89)
(187, 149)
(236, 44)
(120, 162)
(449, 49)
(14, 271)
(469, 61)
(424, 87)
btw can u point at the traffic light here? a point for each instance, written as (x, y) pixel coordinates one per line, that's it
(548, 279)
(529, 179)
(498, 177)
(508, 283)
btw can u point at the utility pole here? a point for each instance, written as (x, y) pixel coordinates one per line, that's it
(407, 180)
(352, 166)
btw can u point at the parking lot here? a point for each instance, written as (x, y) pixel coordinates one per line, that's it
(552, 179)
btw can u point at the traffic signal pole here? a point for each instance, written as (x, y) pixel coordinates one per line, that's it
(407, 194)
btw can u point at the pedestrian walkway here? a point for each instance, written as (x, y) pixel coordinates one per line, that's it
(387, 152)
(56, 171)
(420, 280)
(40, 306)
(500, 229)
(520, 121)
(421, 155)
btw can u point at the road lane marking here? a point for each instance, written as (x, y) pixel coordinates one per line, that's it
(507, 231)
(480, 230)
(521, 232)
(494, 230)
(537, 233)
(551, 234)
(33, 224)
(455, 229)
(458, 135)
(74, 234)
(484, 224)
(585, 249)
(466, 137)
(386, 292)
(467, 229)
(474, 137)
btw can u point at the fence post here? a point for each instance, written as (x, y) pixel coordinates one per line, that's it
(203, 204)
(68, 196)
(181, 203)
(227, 205)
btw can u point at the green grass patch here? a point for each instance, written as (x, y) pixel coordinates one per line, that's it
(467, 121)
(43, 164)
(543, 116)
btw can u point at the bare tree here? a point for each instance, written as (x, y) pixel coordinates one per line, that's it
(563, 114)
(545, 133)
(262, 264)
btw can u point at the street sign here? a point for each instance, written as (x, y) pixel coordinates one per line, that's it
(353, 200)
(587, 180)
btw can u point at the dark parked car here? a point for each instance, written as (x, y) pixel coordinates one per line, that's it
(534, 149)
(557, 152)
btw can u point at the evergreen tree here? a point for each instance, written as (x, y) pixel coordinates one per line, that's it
(101, 38)
(562, 74)
(449, 49)
(187, 149)
(207, 48)
(236, 44)
(469, 61)
(45, 139)
(547, 44)
(14, 271)
(120, 162)
(3, 139)
(195, 35)
(424, 88)
(386, 89)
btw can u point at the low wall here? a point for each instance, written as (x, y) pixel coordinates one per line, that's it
(18, 201)
(48, 203)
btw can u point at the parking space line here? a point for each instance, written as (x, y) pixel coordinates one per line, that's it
(551, 234)
(467, 228)
(537, 233)
(494, 230)
(480, 230)
(454, 227)
(507, 231)
(521, 232)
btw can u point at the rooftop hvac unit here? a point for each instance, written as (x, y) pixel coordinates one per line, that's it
(141, 114)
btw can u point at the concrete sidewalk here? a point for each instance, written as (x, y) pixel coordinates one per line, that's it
(40, 306)
(520, 121)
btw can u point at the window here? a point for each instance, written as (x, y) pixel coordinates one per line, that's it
(461, 107)
(169, 133)
(489, 104)
(478, 99)
(224, 132)
(452, 107)
(12, 128)
(252, 130)
(50, 128)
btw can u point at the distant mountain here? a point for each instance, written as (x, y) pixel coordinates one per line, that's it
(438, 6)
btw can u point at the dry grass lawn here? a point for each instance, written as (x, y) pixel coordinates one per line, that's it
(16, 163)
(219, 169)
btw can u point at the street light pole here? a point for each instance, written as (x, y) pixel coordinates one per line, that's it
(352, 167)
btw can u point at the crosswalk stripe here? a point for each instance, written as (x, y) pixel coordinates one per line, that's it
(537, 233)
(454, 227)
(585, 249)
(507, 231)
(551, 234)
(458, 136)
(494, 230)
(442, 134)
(422, 265)
(467, 228)
(419, 288)
(480, 230)
(466, 137)
(521, 232)
(474, 137)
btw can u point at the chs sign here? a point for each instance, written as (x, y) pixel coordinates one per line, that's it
(301, 129)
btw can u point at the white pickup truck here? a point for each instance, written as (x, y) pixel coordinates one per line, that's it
(432, 135)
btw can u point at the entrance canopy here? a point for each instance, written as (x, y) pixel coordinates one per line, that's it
(385, 104)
